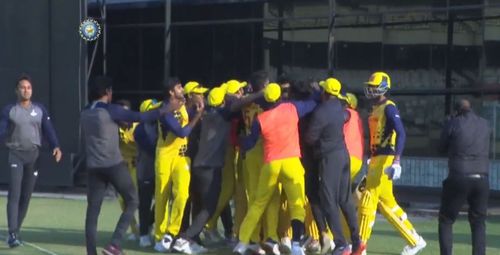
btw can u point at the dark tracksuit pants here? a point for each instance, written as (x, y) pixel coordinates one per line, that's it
(146, 190)
(98, 180)
(312, 183)
(23, 175)
(193, 209)
(190, 211)
(206, 184)
(457, 190)
(226, 217)
(186, 217)
(335, 195)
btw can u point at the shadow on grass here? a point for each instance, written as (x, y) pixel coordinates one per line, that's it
(458, 238)
(75, 239)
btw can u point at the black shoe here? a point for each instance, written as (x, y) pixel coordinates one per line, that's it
(13, 241)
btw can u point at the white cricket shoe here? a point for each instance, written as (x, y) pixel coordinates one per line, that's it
(297, 249)
(328, 244)
(412, 250)
(166, 242)
(286, 245)
(188, 247)
(159, 247)
(145, 241)
(240, 248)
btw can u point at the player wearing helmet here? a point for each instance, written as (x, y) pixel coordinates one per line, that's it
(387, 139)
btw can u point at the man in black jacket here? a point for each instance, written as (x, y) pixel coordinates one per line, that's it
(466, 138)
(327, 133)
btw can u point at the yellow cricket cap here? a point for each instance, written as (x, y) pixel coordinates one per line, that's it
(272, 92)
(148, 105)
(352, 100)
(233, 86)
(332, 86)
(216, 96)
(194, 87)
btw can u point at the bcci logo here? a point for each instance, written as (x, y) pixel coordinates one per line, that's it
(90, 30)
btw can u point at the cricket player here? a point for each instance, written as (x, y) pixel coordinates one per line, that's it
(234, 88)
(194, 92)
(240, 196)
(207, 166)
(278, 127)
(172, 166)
(22, 126)
(99, 124)
(325, 132)
(129, 153)
(354, 140)
(206, 173)
(302, 91)
(353, 135)
(145, 136)
(253, 162)
(387, 139)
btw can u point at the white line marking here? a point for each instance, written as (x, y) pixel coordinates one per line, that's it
(34, 246)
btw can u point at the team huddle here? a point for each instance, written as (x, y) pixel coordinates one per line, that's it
(275, 162)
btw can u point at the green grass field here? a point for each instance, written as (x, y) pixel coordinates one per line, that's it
(56, 226)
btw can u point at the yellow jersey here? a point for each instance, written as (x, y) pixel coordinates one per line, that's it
(168, 140)
(382, 140)
(127, 142)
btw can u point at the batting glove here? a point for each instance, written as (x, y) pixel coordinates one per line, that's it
(394, 171)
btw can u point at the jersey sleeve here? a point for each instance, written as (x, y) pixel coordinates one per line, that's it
(118, 113)
(170, 123)
(48, 129)
(304, 106)
(249, 141)
(395, 123)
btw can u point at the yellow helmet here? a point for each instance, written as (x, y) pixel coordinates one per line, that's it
(148, 105)
(272, 92)
(352, 101)
(378, 84)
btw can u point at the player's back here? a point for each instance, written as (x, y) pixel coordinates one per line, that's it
(280, 132)
(100, 134)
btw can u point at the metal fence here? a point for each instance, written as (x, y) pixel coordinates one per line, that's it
(430, 172)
